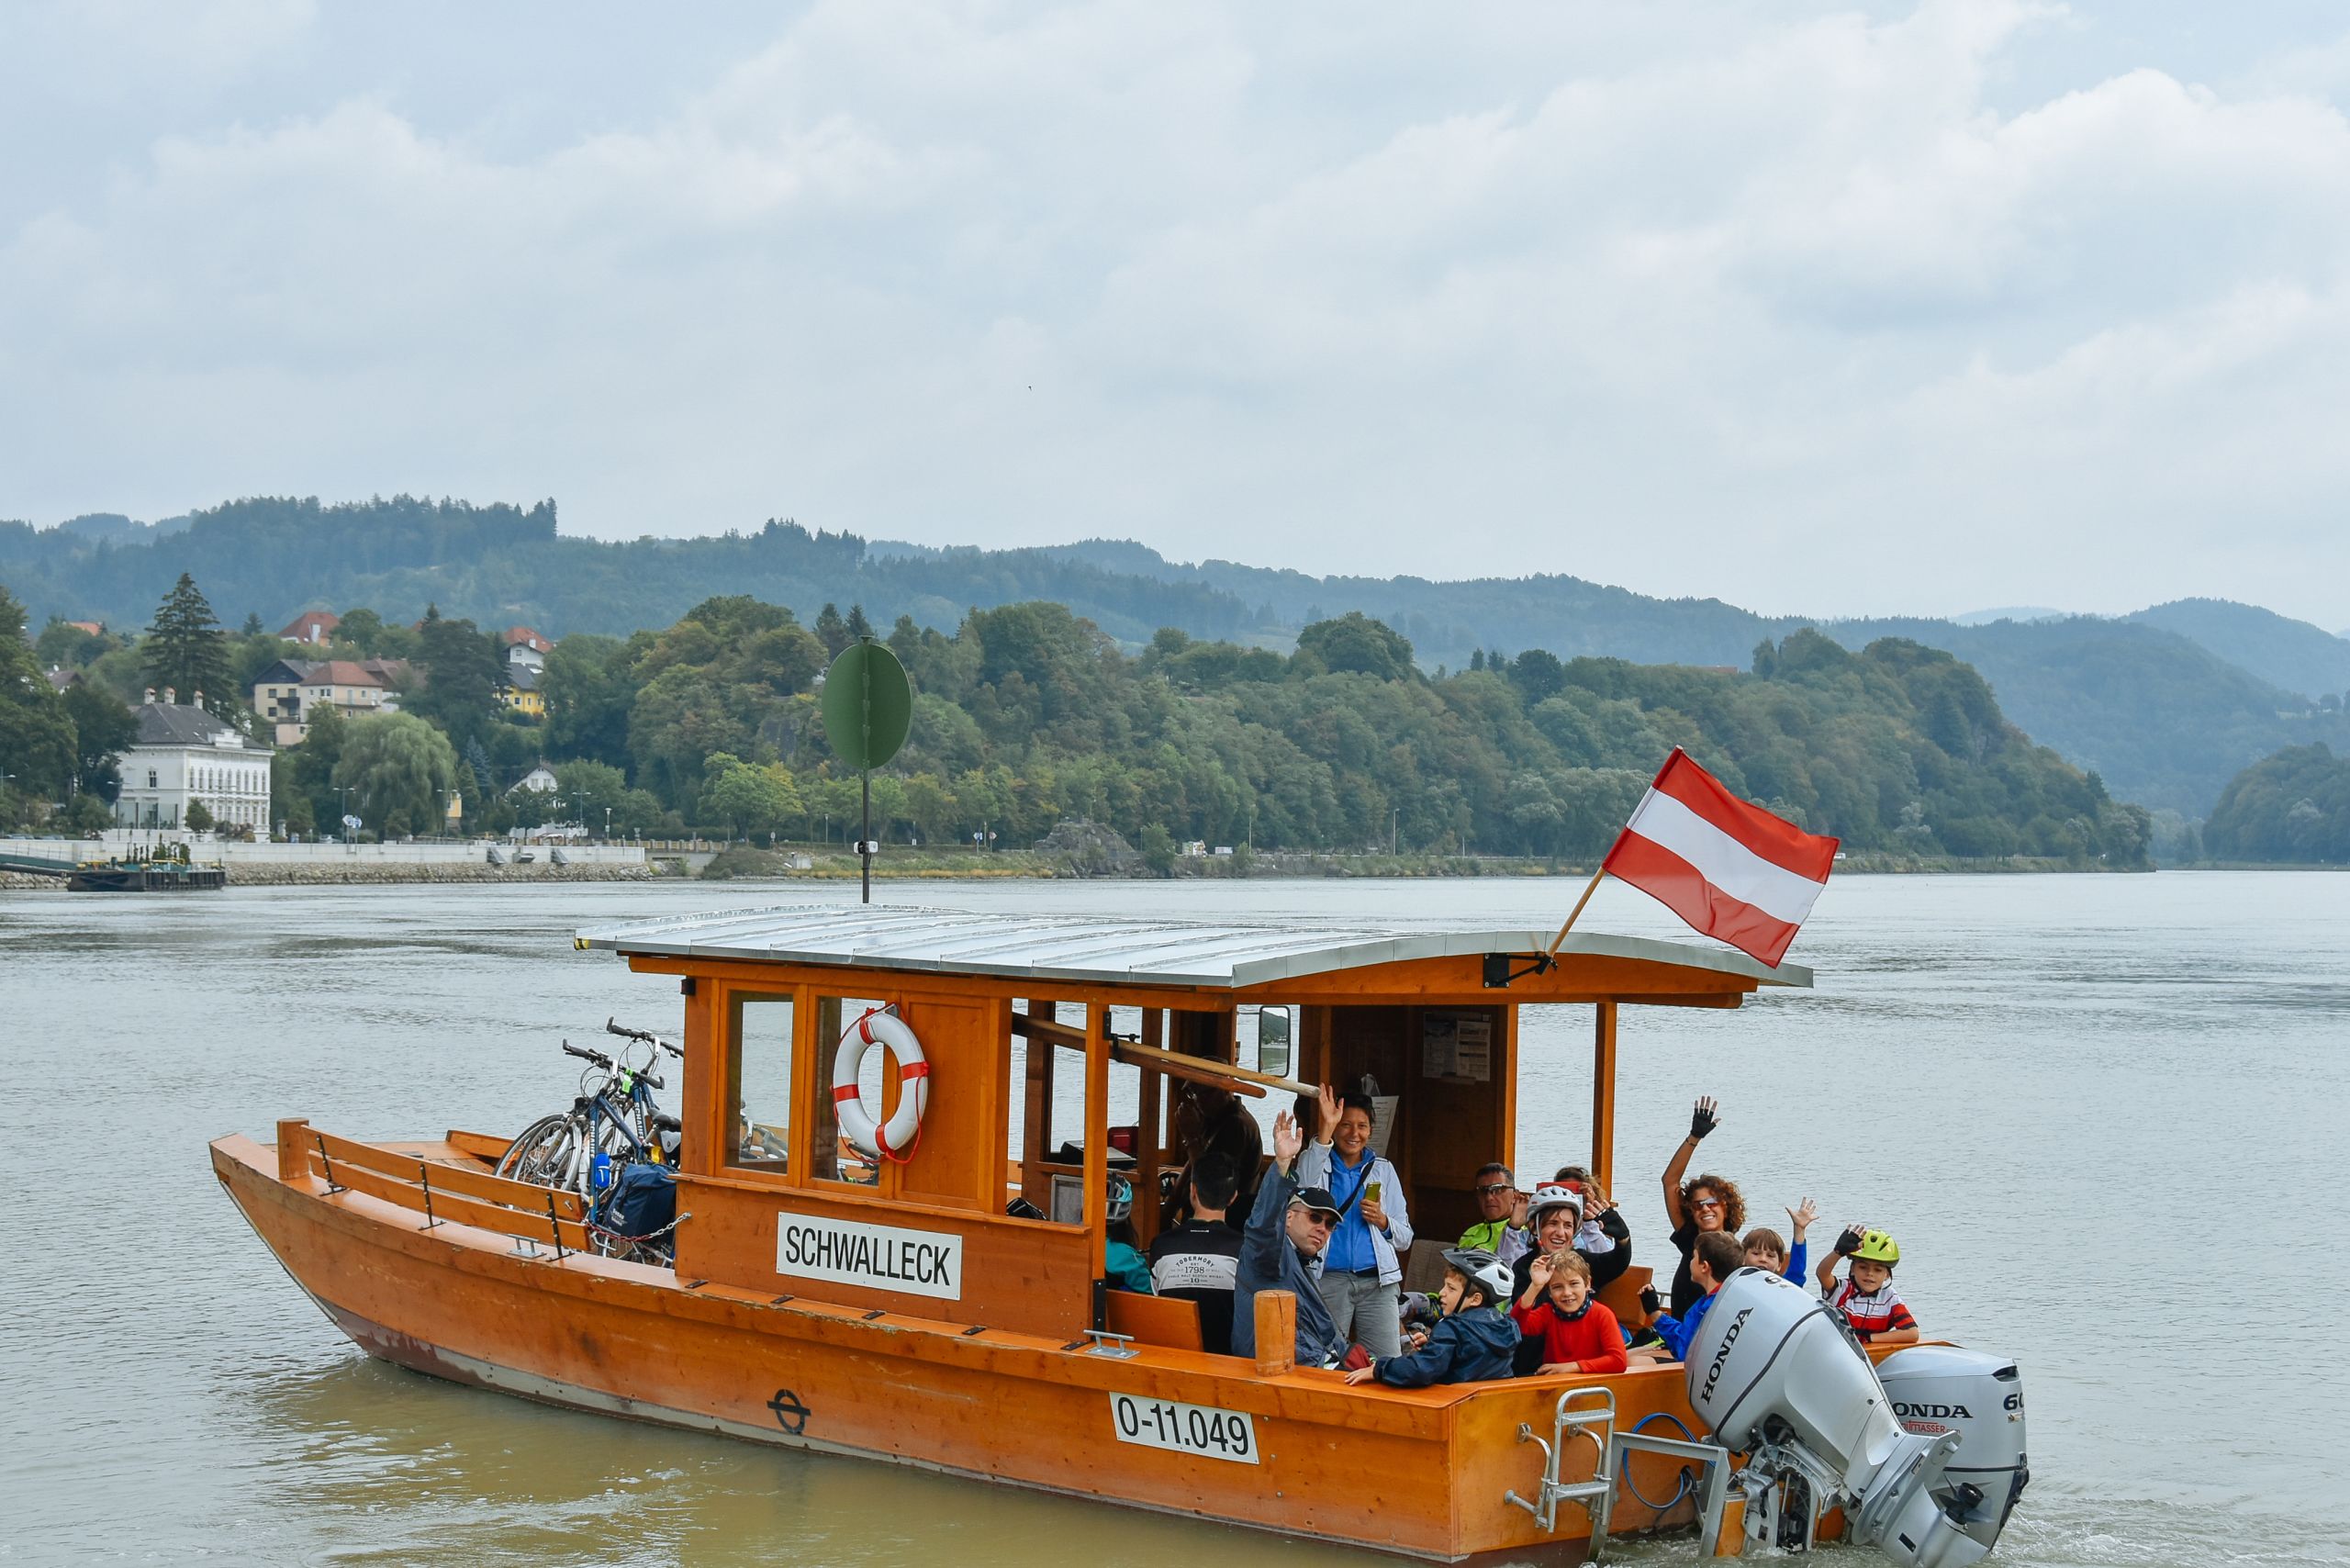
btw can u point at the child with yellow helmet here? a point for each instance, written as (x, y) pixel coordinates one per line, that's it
(1865, 1296)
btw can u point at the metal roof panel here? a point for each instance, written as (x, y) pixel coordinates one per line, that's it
(1107, 950)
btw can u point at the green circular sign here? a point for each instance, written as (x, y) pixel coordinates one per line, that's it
(868, 705)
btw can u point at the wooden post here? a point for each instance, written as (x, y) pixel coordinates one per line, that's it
(1146, 1137)
(1276, 1332)
(1561, 939)
(293, 1149)
(1603, 1096)
(1097, 1133)
(1037, 1112)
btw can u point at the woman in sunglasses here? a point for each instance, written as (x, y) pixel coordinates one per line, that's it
(1697, 1205)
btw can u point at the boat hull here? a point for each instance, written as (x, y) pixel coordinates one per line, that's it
(1420, 1472)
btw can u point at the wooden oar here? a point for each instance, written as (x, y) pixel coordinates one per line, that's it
(1197, 1069)
(1222, 1075)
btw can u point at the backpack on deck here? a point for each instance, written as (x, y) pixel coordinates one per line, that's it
(641, 1201)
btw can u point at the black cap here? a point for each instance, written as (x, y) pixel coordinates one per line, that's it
(1319, 1200)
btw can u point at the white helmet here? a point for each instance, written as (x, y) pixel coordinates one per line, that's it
(1552, 1195)
(1490, 1272)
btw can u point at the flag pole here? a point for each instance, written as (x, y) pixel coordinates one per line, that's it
(1561, 939)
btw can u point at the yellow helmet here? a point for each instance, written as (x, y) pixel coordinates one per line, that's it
(1879, 1248)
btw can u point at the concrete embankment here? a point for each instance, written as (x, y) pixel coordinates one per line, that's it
(341, 865)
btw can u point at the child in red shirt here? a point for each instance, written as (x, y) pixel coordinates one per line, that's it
(1576, 1332)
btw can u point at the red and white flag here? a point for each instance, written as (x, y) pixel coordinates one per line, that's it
(1731, 870)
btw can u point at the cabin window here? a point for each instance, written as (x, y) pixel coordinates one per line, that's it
(832, 1155)
(1045, 1112)
(758, 1075)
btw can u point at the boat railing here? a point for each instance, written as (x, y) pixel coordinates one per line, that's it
(441, 1194)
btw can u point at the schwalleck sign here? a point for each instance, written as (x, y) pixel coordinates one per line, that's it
(881, 1257)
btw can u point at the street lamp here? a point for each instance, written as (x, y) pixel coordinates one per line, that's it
(607, 825)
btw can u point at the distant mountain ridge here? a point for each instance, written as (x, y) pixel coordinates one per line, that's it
(2167, 704)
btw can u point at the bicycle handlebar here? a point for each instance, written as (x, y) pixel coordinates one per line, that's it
(599, 1058)
(612, 1027)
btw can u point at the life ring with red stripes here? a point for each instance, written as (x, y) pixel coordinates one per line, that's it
(860, 1122)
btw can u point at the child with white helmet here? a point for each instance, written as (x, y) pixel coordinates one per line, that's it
(1471, 1342)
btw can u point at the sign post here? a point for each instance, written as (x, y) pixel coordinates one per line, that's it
(869, 706)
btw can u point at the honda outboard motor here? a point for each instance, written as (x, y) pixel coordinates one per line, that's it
(1778, 1377)
(1940, 1388)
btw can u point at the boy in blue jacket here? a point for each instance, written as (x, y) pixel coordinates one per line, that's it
(1471, 1342)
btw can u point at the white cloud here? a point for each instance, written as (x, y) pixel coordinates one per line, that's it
(1789, 288)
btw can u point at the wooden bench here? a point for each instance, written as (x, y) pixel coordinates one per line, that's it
(1164, 1320)
(440, 1192)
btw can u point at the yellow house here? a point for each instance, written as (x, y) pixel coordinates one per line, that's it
(521, 691)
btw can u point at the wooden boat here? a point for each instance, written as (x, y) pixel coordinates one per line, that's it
(893, 1308)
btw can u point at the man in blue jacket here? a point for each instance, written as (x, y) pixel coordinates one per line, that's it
(1287, 1227)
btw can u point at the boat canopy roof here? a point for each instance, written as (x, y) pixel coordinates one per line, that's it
(1107, 950)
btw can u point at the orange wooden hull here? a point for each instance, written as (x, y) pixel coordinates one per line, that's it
(1419, 1472)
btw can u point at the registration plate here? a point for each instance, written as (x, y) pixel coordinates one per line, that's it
(1184, 1429)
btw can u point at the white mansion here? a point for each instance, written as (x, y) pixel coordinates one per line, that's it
(184, 754)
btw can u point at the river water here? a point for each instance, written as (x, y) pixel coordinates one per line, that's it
(2104, 1116)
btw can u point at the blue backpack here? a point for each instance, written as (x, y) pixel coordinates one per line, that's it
(641, 1201)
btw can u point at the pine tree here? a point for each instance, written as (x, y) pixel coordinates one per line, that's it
(186, 650)
(859, 628)
(831, 631)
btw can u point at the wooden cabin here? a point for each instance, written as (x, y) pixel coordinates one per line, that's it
(903, 1307)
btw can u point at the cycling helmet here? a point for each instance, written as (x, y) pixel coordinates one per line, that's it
(1122, 1198)
(1879, 1248)
(1552, 1195)
(1492, 1275)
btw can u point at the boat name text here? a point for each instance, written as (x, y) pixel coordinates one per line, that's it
(919, 1262)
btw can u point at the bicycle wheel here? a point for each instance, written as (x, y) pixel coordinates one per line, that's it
(528, 1144)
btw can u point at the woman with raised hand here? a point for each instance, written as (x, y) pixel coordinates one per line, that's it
(1698, 1203)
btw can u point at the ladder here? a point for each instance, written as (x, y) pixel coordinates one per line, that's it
(1591, 1413)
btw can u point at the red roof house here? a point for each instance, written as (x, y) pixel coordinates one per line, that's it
(312, 626)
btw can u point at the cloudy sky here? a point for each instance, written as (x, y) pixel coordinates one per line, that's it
(1820, 308)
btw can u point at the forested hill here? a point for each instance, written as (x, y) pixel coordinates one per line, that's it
(2168, 707)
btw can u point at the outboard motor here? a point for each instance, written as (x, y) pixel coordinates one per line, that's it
(1940, 1388)
(1778, 1377)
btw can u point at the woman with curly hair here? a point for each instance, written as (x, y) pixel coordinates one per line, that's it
(1697, 1205)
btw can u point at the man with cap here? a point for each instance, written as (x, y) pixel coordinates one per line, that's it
(1287, 1227)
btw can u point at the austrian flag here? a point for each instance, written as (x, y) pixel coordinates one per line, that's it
(1731, 870)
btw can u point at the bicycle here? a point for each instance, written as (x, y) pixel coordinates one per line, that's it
(582, 1150)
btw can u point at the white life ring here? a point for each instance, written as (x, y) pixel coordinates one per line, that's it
(856, 1119)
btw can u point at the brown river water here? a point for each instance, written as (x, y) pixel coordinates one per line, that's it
(2104, 1116)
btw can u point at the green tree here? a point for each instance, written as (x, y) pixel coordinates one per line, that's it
(1354, 642)
(589, 684)
(315, 761)
(463, 673)
(747, 798)
(831, 631)
(362, 629)
(186, 650)
(199, 817)
(398, 770)
(36, 732)
(1158, 850)
(103, 728)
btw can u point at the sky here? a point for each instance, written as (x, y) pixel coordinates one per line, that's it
(1820, 309)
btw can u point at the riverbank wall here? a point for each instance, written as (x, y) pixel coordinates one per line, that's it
(336, 865)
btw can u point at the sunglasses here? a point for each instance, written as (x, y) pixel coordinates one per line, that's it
(1489, 1190)
(1316, 1216)
(1705, 1202)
